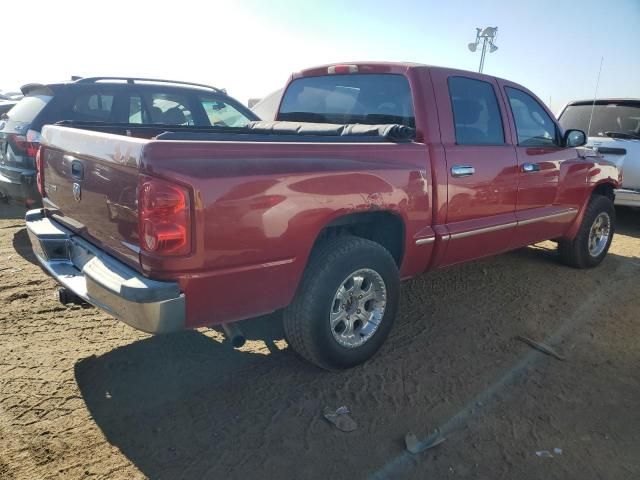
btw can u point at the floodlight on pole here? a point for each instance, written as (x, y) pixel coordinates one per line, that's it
(488, 37)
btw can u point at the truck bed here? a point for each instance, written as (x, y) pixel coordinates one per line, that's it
(249, 198)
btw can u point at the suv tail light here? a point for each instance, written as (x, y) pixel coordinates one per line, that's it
(40, 171)
(164, 210)
(25, 145)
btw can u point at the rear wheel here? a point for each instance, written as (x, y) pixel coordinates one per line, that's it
(345, 305)
(594, 237)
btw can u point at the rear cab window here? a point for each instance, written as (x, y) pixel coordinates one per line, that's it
(350, 98)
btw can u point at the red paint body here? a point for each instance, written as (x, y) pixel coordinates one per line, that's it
(257, 208)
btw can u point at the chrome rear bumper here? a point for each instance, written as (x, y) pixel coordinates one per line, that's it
(148, 305)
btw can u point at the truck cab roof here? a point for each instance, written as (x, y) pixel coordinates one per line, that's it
(401, 68)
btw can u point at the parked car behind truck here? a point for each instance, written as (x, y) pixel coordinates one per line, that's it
(407, 168)
(123, 103)
(614, 132)
(5, 106)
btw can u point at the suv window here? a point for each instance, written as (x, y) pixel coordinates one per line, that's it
(169, 109)
(29, 107)
(136, 110)
(221, 113)
(476, 114)
(351, 98)
(534, 126)
(614, 116)
(92, 107)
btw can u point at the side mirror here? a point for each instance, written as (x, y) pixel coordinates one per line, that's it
(574, 138)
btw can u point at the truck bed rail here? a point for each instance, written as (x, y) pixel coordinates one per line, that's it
(261, 131)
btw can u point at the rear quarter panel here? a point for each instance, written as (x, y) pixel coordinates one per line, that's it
(259, 208)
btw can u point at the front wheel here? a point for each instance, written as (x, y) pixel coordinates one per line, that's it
(345, 305)
(594, 237)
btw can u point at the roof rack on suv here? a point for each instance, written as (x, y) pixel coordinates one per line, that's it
(132, 80)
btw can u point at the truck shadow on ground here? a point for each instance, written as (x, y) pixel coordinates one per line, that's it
(22, 246)
(628, 221)
(172, 401)
(189, 405)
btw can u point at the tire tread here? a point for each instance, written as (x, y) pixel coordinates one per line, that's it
(297, 327)
(572, 252)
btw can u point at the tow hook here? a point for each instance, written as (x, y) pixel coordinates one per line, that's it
(233, 333)
(66, 297)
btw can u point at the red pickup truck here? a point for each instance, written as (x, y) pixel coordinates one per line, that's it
(371, 173)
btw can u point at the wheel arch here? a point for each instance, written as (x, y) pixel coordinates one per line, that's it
(384, 227)
(605, 188)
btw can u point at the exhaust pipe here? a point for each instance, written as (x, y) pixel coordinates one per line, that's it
(233, 333)
(66, 297)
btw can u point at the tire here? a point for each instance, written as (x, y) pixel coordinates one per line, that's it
(340, 266)
(579, 253)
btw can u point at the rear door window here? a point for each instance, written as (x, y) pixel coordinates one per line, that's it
(93, 107)
(350, 98)
(136, 113)
(169, 109)
(475, 112)
(29, 107)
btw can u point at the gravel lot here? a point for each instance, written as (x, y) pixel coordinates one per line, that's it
(84, 396)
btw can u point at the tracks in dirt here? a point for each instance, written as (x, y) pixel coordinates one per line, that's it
(82, 395)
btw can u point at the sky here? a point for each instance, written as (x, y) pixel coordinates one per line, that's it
(250, 47)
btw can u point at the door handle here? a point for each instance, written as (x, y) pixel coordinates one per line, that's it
(462, 171)
(530, 167)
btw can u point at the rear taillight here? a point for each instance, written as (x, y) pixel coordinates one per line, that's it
(25, 145)
(164, 211)
(33, 143)
(40, 171)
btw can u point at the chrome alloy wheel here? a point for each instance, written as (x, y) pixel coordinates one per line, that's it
(599, 234)
(358, 307)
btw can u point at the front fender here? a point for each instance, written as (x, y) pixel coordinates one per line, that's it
(600, 173)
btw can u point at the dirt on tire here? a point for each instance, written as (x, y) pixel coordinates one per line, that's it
(85, 396)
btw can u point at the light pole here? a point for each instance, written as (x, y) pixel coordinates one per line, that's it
(488, 36)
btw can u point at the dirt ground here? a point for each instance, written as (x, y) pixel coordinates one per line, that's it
(84, 396)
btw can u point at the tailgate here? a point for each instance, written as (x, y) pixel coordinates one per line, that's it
(90, 181)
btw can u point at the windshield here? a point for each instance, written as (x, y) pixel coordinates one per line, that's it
(362, 98)
(28, 108)
(611, 117)
(222, 113)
